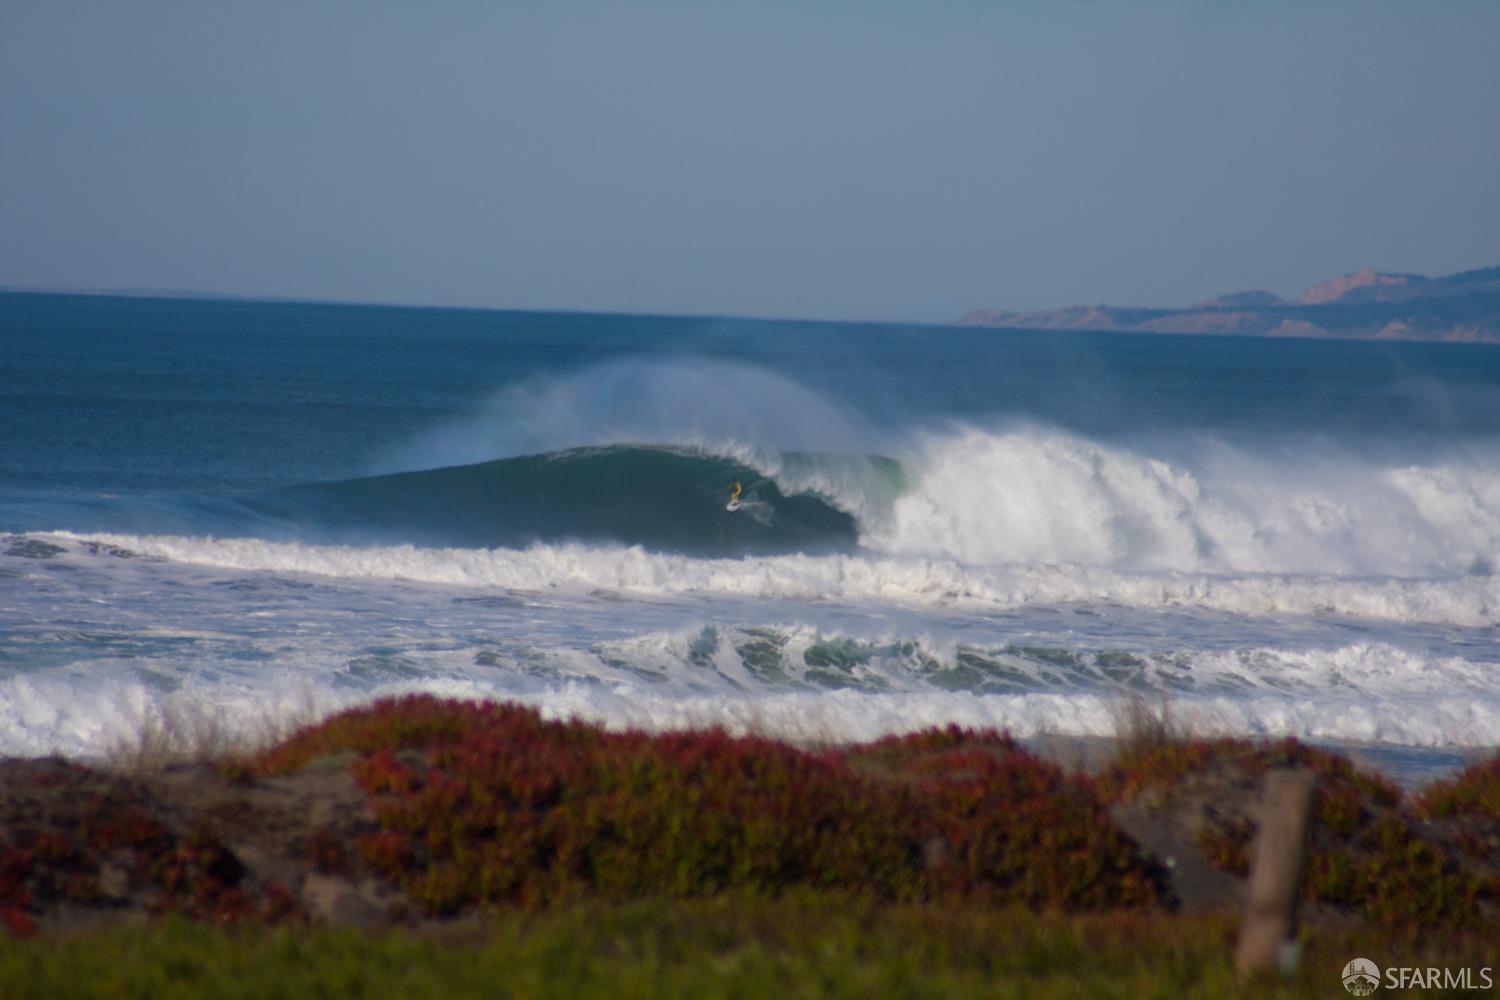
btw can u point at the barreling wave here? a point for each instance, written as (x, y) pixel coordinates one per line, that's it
(664, 499)
(1002, 491)
(668, 499)
(1010, 497)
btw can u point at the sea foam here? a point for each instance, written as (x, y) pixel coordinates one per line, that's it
(1037, 495)
(1472, 600)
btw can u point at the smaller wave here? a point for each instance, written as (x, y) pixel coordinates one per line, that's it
(794, 682)
(1363, 691)
(856, 577)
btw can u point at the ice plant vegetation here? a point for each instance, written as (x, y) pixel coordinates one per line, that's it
(490, 804)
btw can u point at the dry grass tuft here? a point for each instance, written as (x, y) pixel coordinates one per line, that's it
(165, 733)
(1143, 727)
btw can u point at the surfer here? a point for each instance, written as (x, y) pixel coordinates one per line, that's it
(734, 495)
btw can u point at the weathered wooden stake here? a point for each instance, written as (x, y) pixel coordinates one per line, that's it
(1276, 871)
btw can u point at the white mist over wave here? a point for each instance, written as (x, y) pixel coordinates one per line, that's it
(1467, 601)
(732, 410)
(728, 408)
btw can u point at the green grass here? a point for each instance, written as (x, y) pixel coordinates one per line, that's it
(805, 945)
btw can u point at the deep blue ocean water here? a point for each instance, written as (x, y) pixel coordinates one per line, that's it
(244, 508)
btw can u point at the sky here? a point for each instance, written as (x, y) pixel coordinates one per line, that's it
(867, 160)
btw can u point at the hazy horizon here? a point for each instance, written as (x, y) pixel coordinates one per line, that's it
(880, 162)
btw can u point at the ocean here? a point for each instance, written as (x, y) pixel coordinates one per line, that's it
(239, 510)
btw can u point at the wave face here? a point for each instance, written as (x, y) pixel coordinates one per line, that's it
(664, 499)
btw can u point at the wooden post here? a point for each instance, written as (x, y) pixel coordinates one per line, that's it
(1276, 871)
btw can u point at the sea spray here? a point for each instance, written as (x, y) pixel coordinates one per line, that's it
(735, 410)
(1029, 494)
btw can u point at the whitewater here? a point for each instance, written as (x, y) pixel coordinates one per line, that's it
(996, 529)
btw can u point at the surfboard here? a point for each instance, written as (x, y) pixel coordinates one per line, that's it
(732, 506)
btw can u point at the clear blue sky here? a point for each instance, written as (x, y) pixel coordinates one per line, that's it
(859, 160)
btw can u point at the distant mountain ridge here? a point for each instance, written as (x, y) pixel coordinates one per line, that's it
(1368, 305)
